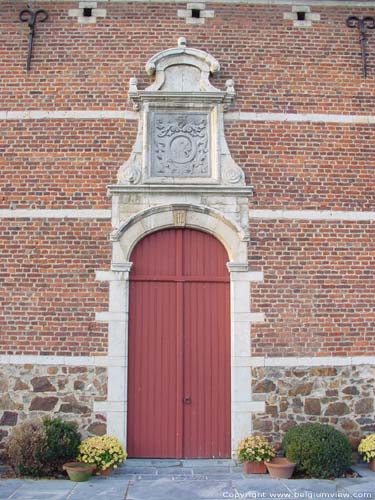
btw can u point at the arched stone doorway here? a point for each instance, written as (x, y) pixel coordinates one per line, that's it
(125, 239)
(180, 174)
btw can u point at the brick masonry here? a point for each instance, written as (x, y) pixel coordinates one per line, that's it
(49, 291)
(316, 295)
(38, 391)
(318, 288)
(276, 67)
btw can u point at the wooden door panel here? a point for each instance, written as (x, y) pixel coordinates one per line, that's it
(179, 347)
(203, 256)
(206, 370)
(153, 364)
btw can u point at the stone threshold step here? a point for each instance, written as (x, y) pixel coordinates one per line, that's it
(170, 462)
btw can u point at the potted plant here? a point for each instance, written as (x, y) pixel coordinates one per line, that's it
(105, 452)
(78, 471)
(280, 468)
(367, 450)
(252, 452)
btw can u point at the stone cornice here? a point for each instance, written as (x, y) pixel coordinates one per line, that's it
(181, 189)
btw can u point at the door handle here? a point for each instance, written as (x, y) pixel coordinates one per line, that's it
(187, 400)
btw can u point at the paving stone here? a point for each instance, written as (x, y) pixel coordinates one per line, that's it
(253, 484)
(165, 489)
(43, 490)
(220, 469)
(180, 483)
(139, 470)
(172, 471)
(100, 489)
(207, 462)
(364, 490)
(9, 486)
(311, 488)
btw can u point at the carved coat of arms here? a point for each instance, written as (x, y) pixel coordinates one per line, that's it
(180, 145)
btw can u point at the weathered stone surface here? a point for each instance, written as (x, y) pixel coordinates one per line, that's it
(20, 385)
(77, 369)
(351, 389)
(349, 425)
(9, 418)
(365, 405)
(272, 410)
(262, 425)
(6, 403)
(312, 406)
(97, 428)
(337, 409)
(297, 403)
(283, 406)
(42, 384)
(340, 396)
(43, 404)
(74, 408)
(79, 385)
(58, 386)
(325, 371)
(287, 425)
(332, 393)
(62, 383)
(366, 420)
(4, 385)
(301, 389)
(264, 386)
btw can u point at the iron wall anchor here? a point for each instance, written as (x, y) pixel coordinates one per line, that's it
(364, 24)
(31, 17)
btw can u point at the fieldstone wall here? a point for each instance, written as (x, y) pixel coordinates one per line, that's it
(66, 391)
(340, 396)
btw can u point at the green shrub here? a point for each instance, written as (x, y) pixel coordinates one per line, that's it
(318, 450)
(41, 447)
(62, 443)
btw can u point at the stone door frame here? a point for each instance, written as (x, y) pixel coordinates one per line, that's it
(125, 238)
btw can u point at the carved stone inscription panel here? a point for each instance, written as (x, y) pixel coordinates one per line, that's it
(179, 144)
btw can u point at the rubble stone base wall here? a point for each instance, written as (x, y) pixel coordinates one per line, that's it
(341, 396)
(36, 391)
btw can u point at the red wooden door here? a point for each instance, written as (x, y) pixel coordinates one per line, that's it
(179, 347)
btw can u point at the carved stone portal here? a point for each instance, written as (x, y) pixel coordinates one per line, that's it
(181, 131)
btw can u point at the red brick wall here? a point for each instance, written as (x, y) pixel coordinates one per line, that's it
(318, 288)
(49, 295)
(276, 67)
(62, 163)
(306, 165)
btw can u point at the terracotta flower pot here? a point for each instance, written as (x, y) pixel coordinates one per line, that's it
(254, 468)
(280, 468)
(105, 472)
(78, 471)
(371, 465)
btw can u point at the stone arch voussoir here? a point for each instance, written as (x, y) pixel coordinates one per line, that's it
(200, 217)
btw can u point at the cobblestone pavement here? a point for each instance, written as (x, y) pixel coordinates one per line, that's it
(189, 480)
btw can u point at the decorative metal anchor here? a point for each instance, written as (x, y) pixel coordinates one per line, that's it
(31, 17)
(364, 24)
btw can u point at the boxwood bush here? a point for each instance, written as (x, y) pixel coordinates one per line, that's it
(41, 447)
(319, 450)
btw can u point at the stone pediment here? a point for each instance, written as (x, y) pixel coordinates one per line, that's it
(181, 129)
